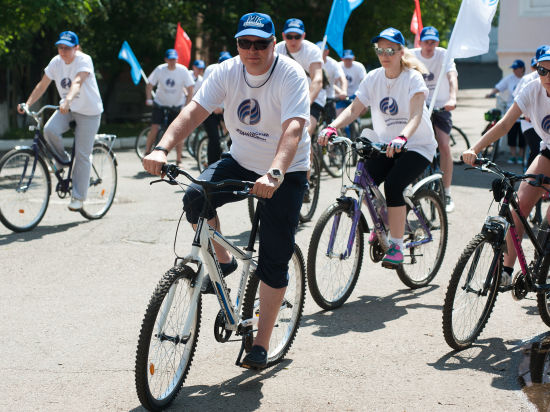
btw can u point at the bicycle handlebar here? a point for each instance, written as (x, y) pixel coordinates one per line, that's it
(363, 144)
(486, 165)
(39, 112)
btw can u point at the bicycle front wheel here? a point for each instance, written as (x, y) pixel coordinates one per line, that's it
(290, 312)
(25, 189)
(543, 278)
(311, 197)
(201, 153)
(332, 272)
(472, 292)
(103, 183)
(333, 158)
(164, 356)
(423, 250)
(459, 143)
(141, 142)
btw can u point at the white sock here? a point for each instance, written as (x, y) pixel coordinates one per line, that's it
(397, 241)
(447, 191)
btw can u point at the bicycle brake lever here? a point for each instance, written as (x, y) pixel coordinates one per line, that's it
(171, 182)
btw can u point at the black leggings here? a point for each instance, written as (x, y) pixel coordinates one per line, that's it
(397, 173)
(515, 137)
(533, 140)
(211, 125)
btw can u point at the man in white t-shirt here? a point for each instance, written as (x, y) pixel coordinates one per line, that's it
(308, 55)
(266, 110)
(174, 86)
(355, 72)
(433, 56)
(197, 71)
(337, 83)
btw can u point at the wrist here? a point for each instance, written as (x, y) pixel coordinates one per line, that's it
(161, 149)
(403, 137)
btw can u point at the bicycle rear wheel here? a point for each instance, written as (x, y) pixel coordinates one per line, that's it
(423, 255)
(459, 143)
(290, 313)
(141, 142)
(333, 158)
(103, 183)
(331, 274)
(163, 356)
(472, 292)
(201, 153)
(25, 189)
(311, 197)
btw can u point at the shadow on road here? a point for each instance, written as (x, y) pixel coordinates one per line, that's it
(37, 233)
(241, 393)
(366, 314)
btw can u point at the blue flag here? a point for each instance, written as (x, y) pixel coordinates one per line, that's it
(337, 20)
(127, 54)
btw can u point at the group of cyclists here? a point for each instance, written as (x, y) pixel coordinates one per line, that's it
(272, 96)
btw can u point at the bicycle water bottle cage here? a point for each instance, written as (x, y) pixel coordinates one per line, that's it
(498, 189)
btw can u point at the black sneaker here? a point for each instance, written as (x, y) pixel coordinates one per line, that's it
(227, 269)
(256, 358)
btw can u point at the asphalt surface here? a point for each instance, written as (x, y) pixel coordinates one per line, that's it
(74, 293)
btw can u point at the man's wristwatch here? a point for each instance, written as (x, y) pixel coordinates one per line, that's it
(276, 174)
(162, 149)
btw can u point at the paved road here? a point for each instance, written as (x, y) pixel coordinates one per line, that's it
(74, 293)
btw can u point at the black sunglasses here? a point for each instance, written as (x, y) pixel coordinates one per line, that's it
(542, 71)
(258, 44)
(293, 36)
(387, 51)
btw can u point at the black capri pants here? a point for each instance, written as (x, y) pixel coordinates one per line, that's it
(515, 136)
(397, 173)
(278, 215)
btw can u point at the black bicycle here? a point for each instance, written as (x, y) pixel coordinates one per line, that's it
(492, 117)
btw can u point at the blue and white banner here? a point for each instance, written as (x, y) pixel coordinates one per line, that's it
(337, 20)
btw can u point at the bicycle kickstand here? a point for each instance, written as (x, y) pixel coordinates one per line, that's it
(241, 351)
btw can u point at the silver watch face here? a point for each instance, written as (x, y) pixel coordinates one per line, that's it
(276, 174)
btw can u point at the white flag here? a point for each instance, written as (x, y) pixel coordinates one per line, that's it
(470, 35)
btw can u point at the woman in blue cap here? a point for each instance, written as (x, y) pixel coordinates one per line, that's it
(534, 102)
(396, 94)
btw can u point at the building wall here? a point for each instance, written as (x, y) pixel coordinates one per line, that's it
(523, 26)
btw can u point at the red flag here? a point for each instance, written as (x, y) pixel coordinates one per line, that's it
(416, 23)
(183, 46)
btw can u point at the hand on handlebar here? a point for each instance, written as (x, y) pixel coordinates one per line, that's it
(326, 134)
(153, 162)
(469, 157)
(21, 108)
(265, 186)
(396, 145)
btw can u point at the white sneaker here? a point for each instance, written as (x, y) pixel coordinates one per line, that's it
(75, 205)
(505, 279)
(449, 204)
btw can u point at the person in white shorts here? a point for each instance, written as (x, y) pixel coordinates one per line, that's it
(355, 72)
(73, 74)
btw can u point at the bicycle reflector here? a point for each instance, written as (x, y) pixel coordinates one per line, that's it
(498, 189)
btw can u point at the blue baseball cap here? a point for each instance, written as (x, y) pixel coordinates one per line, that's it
(294, 26)
(517, 64)
(255, 24)
(545, 57)
(224, 55)
(68, 38)
(348, 54)
(171, 54)
(199, 64)
(320, 44)
(541, 50)
(390, 34)
(429, 33)
(534, 62)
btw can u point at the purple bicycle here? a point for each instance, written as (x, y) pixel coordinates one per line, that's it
(335, 253)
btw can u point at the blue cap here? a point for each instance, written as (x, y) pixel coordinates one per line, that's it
(199, 64)
(224, 55)
(255, 24)
(294, 26)
(533, 62)
(348, 54)
(541, 50)
(517, 64)
(68, 38)
(545, 57)
(429, 33)
(171, 54)
(320, 44)
(390, 34)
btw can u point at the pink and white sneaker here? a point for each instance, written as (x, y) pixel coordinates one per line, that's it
(393, 258)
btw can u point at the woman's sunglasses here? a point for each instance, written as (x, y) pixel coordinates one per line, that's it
(258, 44)
(293, 36)
(388, 51)
(542, 71)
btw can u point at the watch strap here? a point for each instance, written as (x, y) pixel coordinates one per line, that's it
(162, 149)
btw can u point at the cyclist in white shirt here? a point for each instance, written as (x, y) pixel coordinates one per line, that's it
(197, 71)
(174, 86)
(534, 102)
(355, 72)
(73, 74)
(506, 87)
(338, 85)
(308, 55)
(266, 109)
(433, 56)
(396, 94)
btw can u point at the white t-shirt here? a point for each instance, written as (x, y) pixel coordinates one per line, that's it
(433, 65)
(254, 115)
(87, 101)
(334, 72)
(506, 88)
(354, 75)
(198, 81)
(535, 104)
(389, 101)
(171, 84)
(309, 53)
(525, 125)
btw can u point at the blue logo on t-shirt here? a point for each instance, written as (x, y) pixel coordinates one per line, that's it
(170, 82)
(490, 3)
(349, 78)
(66, 83)
(249, 112)
(545, 124)
(388, 105)
(428, 76)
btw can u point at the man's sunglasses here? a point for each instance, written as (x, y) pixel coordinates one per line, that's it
(387, 51)
(542, 71)
(293, 36)
(258, 44)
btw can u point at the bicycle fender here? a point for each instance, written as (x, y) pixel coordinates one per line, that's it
(411, 191)
(348, 202)
(22, 148)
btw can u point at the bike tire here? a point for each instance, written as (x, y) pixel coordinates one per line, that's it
(141, 142)
(201, 153)
(469, 284)
(543, 278)
(179, 279)
(331, 279)
(103, 183)
(459, 143)
(421, 263)
(290, 314)
(22, 210)
(333, 158)
(308, 209)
